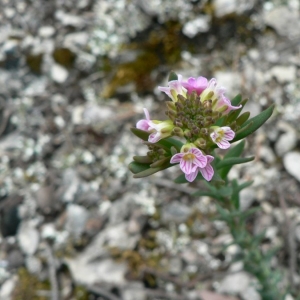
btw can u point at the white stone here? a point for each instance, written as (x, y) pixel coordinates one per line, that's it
(284, 20)
(200, 24)
(251, 294)
(85, 271)
(247, 196)
(28, 238)
(8, 287)
(286, 142)
(235, 283)
(291, 162)
(58, 73)
(46, 31)
(76, 219)
(283, 73)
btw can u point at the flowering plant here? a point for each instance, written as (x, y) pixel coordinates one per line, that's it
(200, 118)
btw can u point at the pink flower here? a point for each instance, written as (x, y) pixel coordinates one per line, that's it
(207, 172)
(216, 94)
(158, 129)
(221, 136)
(175, 88)
(145, 123)
(195, 84)
(189, 161)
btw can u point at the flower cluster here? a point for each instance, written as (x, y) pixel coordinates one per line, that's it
(197, 113)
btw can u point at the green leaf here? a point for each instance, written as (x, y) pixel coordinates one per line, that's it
(171, 142)
(229, 162)
(142, 159)
(205, 193)
(160, 162)
(236, 100)
(242, 186)
(136, 167)
(235, 151)
(255, 122)
(172, 76)
(144, 135)
(243, 118)
(235, 198)
(151, 171)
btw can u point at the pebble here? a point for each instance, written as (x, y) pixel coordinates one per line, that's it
(235, 284)
(291, 162)
(76, 219)
(28, 237)
(58, 73)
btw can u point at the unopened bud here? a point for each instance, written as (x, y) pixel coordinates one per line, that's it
(178, 131)
(201, 143)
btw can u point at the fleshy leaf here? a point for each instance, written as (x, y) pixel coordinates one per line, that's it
(136, 167)
(234, 161)
(172, 76)
(243, 118)
(140, 133)
(151, 171)
(142, 159)
(236, 100)
(256, 121)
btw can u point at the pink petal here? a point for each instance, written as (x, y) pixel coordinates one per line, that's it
(196, 151)
(154, 137)
(200, 161)
(186, 166)
(176, 158)
(223, 144)
(143, 125)
(191, 177)
(207, 172)
(229, 134)
(146, 112)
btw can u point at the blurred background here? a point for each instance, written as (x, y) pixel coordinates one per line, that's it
(74, 77)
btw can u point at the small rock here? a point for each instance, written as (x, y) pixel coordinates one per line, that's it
(46, 31)
(89, 272)
(134, 291)
(28, 237)
(267, 154)
(250, 294)
(15, 259)
(291, 162)
(284, 20)
(283, 73)
(193, 27)
(76, 219)
(235, 283)
(8, 287)
(287, 141)
(58, 73)
(247, 197)
(33, 265)
(175, 212)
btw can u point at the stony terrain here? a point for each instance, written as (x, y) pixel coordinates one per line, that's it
(74, 77)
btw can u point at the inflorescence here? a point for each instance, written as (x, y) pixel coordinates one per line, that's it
(196, 107)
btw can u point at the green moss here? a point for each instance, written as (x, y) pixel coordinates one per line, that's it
(34, 62)
(160, 46)
(28, 286)
(64, 57)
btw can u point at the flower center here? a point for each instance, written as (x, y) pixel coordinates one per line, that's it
(189, 156)
(220, 137)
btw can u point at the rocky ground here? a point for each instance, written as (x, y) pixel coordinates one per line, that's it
(74, 77)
